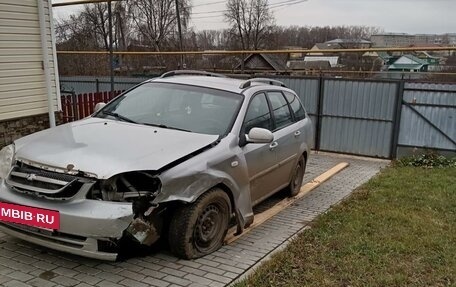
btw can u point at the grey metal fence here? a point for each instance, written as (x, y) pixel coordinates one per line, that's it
(357, 117)
(88, 84)
(428, 117)
(308, 90)
(378, 118)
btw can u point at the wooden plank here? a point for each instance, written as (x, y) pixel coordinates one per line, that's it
(91, 103)
(80, 106)
(86, 105)
(98, 97)
(278, 207)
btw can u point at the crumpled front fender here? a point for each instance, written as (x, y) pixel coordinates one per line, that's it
(187, 181)
(189, 188)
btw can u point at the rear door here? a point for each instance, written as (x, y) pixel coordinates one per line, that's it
(286, 137)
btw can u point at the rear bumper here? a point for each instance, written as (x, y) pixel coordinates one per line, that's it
(85, 225)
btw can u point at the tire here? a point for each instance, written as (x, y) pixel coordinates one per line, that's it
(297, 177)
(200, 228)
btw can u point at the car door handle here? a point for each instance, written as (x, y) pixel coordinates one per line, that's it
(273, 145)
(297, 133)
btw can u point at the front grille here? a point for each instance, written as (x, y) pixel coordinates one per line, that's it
(48, 174)
(42, 183)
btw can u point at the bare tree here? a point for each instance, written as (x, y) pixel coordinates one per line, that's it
(251, 21)
(96, 15)
(122, 24)
(156, 20)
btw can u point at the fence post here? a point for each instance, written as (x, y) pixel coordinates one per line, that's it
(397, 118)
(97, 85)
(321, 90)
(74, 104)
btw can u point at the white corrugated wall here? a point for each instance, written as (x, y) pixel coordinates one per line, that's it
(22, 81)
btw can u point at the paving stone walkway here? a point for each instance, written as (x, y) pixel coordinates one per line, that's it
(24, 264)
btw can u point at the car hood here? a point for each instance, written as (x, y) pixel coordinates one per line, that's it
(103, 147)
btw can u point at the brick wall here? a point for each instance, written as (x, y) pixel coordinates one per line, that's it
(13, 129)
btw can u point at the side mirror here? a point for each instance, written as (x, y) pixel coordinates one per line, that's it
(259, 135)
(98, 107)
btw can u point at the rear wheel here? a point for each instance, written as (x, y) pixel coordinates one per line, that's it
(200, 228)
(298, 175)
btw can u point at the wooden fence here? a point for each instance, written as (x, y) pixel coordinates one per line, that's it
(76, 107)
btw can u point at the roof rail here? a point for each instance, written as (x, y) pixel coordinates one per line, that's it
(191, 72)
(249, 82)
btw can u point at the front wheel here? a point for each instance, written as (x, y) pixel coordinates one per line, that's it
(200, 228)
(298, 175)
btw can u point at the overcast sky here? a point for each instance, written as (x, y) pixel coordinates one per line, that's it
(408, 16)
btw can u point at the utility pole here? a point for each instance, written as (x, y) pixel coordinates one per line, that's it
(111, 56)
(179, 29)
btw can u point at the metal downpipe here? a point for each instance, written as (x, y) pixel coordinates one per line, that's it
(45, 63)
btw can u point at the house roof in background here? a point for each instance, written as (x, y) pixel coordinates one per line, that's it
(408, 62)
(332, 60)
(326, 46)
(427, 55)
(371, 54)
(277, 62)
(414, 59)
(405, 67)
(384, 55)
(348, 41)
(307, 65)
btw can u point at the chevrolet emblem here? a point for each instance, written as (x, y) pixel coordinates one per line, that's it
(31, 177)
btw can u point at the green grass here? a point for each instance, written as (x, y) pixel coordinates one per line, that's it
(399, 229)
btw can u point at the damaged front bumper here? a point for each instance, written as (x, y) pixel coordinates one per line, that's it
(88, 228)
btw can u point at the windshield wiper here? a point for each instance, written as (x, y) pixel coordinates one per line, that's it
(120, 117)
(166, 127)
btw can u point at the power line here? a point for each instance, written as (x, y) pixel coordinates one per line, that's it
(205, 17)
(270, 5)
(79, 2)
(290, 4)
(209, 3)
(209, 12)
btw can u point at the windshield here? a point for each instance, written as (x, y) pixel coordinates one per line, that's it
(173, 106)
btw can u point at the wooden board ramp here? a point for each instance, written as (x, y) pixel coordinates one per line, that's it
(260, 218)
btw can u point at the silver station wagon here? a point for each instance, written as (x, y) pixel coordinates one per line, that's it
(180, 157)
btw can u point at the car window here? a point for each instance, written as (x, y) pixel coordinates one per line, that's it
(280, 110)
(258, 115)
(296, 106)
(195, 109)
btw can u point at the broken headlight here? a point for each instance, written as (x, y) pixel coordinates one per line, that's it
(127, 187)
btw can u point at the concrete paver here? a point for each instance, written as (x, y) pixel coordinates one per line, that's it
(24, 264)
